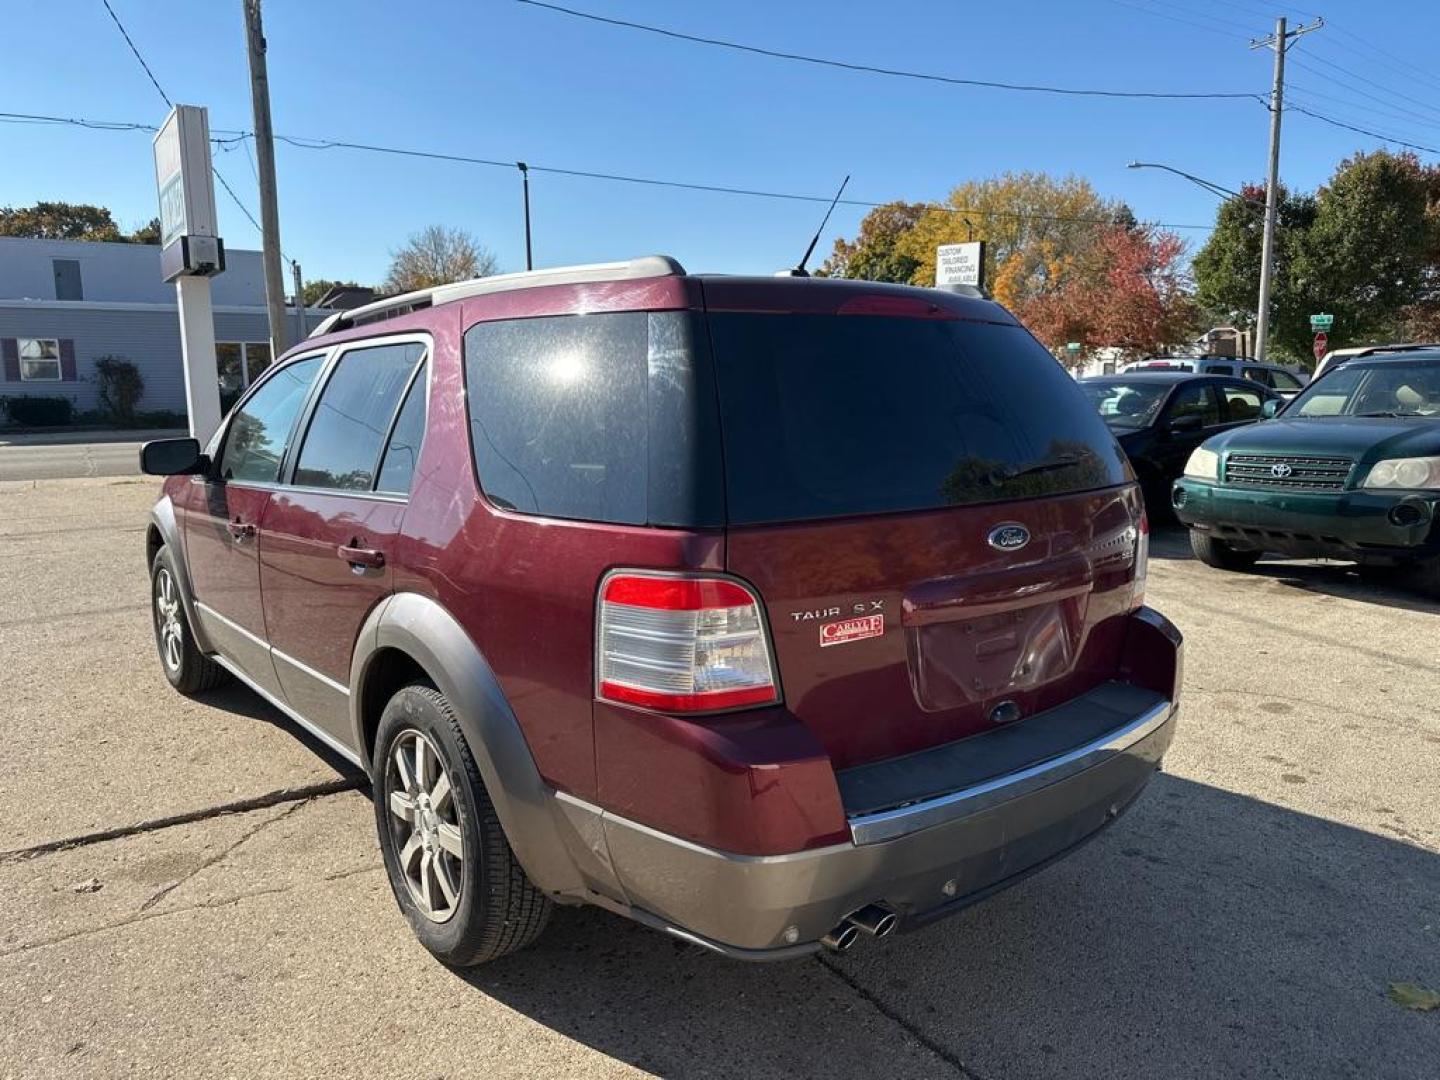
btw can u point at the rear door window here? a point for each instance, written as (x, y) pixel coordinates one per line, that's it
(827, 416)
(354, 414)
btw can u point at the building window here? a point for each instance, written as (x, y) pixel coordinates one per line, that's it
(39, 360)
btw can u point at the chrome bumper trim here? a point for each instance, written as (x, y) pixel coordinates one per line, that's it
(886, 825)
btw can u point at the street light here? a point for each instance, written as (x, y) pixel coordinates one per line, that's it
(1267, 244)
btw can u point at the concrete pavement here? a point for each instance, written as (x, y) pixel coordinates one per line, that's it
(1244, 919)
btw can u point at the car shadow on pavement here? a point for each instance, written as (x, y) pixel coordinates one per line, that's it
(1207, 933)
(236, 697)
(1336, 579)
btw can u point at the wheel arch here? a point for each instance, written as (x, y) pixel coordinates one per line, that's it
(164, 531)
(410, 638)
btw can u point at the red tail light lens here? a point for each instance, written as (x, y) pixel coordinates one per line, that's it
(682, 644)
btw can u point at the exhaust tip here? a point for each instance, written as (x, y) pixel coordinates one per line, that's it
(841, 938)
(874, 920)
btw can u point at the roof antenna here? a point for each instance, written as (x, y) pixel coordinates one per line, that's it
(800, 270)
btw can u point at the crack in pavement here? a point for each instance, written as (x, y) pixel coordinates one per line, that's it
(943, 1053)
(31, 620)
(239, 806)
(204, 905)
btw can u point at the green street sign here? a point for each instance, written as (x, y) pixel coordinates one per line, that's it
(1072, 346)
(1321, 322)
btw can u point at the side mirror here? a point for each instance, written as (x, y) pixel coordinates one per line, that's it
(1186, 423)
(172, 457)
(1269, 410)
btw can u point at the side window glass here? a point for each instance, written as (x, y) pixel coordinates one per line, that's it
(404, 448)
(1283, 380)
(1196, 400)
(255, 441)
(558, 411)
(342, 446)
(1242, 403)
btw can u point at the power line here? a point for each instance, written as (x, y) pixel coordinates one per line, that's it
(170, 104)
(303, 143)
(1363, 131)
(876, 70)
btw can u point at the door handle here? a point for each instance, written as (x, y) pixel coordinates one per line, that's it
(241, 530)
(361, 558)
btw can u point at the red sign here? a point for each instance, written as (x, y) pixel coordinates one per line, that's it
(1322, 340)
(838, 633)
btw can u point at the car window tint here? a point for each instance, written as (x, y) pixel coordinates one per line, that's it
(1242, 403)
(1195, 399)
(255, 441)
(1283, 380)
(404, 448)
(1126, 405)
(1259, 375)
(826, 415)
(557, 408)
(342, 445)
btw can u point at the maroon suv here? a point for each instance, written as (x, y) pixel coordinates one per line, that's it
(764, 611)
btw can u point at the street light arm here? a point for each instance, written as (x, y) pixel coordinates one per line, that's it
(1208, 185)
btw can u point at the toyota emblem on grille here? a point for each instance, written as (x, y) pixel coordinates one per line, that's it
(1281, 471)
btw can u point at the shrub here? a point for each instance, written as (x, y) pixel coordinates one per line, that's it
(120, 388)
(40, 411)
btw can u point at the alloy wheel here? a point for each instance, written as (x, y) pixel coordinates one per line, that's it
(167, 620)
(425, 825)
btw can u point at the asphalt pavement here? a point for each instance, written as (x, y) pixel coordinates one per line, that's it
(192, 888)
(63, 455)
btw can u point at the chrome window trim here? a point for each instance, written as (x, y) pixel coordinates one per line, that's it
(890, 824)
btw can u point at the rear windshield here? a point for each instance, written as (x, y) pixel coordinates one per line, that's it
(827, 416)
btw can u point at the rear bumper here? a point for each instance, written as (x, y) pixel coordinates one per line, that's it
(1344, 524)
(922, 860)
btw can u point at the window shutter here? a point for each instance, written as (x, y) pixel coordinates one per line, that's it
(10, 349)
(67, 360)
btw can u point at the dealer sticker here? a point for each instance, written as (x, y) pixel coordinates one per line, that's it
(845, 630)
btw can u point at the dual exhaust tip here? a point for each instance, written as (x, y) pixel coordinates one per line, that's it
(872, 919)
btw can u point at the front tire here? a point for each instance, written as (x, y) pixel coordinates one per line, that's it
(451, 869)
(186, 668)
(1219, 554)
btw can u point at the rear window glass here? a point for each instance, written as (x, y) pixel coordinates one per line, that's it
(826, 416)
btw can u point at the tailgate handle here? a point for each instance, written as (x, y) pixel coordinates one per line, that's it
(950, 599)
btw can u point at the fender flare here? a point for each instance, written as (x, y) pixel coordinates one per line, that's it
(422, 629)
(162, 516)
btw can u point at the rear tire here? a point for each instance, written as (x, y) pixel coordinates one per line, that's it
(186, 668)
(453, 873)
(1219, 554)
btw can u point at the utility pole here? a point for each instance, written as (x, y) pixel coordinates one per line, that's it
(300, 330)
(265, 166)
(1280, 42)
(525, 179)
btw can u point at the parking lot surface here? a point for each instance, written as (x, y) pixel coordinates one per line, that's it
(193, 888)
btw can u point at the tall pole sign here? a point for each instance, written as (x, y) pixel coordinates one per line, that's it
(191, 253)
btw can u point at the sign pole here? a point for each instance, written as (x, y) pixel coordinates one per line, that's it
(197, 346)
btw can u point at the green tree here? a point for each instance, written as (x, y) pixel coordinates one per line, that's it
(873, 254)
(59, 221)
(149, 233)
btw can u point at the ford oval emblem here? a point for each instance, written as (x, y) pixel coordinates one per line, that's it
(1010, 536)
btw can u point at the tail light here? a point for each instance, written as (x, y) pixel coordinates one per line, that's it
(1142, 560)
(682, 644)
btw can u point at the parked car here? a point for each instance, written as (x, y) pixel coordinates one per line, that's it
(1159, 417)
(764, 611)
(1282, 380)
(1349, 469)
(1335, 357)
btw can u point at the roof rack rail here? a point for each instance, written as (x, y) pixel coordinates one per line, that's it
(392, 306)
(1409, 347)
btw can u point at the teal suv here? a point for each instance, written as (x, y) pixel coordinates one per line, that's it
(1348, 469)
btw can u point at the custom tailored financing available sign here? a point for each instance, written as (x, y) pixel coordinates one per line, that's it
(186, 186)
(960, 264)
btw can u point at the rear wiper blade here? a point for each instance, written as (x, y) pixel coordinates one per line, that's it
(1060, 461)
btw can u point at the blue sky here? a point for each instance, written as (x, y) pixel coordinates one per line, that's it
(496, 79)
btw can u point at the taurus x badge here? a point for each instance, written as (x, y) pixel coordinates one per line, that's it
(1281, 471)
(1008, 537)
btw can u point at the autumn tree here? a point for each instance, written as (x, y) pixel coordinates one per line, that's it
(438, 255)
(59, 221)
(873, 254)
(1133, 295)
